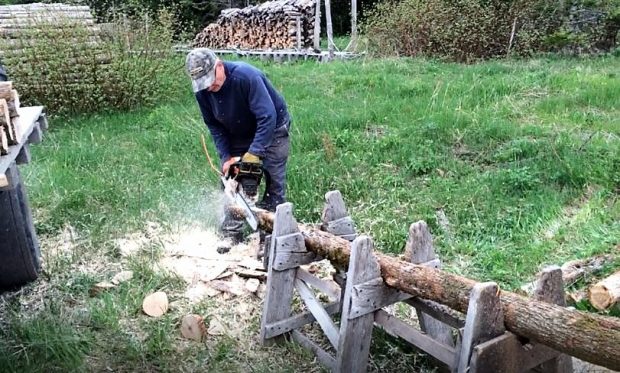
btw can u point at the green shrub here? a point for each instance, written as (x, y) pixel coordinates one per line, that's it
(76, 68)
(467, 30)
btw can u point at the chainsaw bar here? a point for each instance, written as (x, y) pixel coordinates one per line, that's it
(238, 199)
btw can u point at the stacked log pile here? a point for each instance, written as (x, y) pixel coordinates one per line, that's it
(280, 24)
(9, 103)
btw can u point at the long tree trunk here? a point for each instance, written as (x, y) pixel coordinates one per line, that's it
(586, 336)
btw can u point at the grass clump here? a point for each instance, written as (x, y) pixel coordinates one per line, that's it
(468, 30)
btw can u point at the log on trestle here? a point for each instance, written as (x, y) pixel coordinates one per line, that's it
(589, 337)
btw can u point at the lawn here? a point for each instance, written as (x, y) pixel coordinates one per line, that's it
(513, 164)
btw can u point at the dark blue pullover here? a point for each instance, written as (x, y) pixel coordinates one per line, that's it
(244, 114)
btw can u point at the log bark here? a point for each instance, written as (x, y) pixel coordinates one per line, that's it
(587, 336)
(605, 294)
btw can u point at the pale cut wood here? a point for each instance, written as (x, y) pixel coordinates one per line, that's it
(552, 325)
(484, 321)
(321, 316)
(356, 333)
(398, 328)
(4, 141)
(277, 304)
(155, 304)
(605, 294)
(193, 327)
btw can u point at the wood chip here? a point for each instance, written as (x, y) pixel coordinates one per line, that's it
(122, 277)
(193, 327)
(100, 287)
(155, 304)
(229, 287)
(252, 285)
(216, 327)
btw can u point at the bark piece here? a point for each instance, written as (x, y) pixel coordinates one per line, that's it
(605, 294)
(156, 304)
(193, 327)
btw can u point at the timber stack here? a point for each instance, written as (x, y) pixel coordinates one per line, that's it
(280, 24)
(9, 103)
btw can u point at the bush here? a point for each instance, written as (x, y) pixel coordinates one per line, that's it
(69, 68)
(467, 30)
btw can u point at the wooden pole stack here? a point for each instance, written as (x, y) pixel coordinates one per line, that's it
(501, 332)
(280, 24)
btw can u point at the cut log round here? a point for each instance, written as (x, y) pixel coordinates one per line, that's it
(193, 327)
(587, 336)
(605, 294)
(155, 304)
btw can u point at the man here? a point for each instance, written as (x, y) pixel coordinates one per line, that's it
(247, 118)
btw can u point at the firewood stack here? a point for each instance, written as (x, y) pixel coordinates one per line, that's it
(271, 25)
(9, 103)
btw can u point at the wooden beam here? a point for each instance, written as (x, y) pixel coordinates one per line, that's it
(587, 336)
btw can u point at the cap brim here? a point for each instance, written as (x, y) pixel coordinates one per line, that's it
(203, 82)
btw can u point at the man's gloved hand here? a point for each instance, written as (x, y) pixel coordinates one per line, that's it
(251, 158)
(229, 163)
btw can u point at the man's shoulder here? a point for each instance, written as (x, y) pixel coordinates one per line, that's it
(243, 70)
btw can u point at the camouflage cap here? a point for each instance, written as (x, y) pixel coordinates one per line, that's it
(200, 65)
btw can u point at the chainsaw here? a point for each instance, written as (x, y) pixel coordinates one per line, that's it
(241, 187)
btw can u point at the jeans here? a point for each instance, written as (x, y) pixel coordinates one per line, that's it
(274, 165)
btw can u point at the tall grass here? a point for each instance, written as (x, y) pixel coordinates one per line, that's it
(522, 158)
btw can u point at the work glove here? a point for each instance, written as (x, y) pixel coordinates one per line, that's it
(229, 163)
(251, 158)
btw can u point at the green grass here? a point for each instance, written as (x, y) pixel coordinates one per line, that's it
(523, 157)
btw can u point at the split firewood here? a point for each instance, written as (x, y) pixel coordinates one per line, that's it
(6, 90)
(155, 304)
(5, 121)
(278, 24)
(4, 142)
(605, 294)
(193, 327)
(14, 104)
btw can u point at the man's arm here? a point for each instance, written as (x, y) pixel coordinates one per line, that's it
(219, 135)
(264, 110)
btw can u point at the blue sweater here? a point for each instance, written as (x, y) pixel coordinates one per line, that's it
(244, 114)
